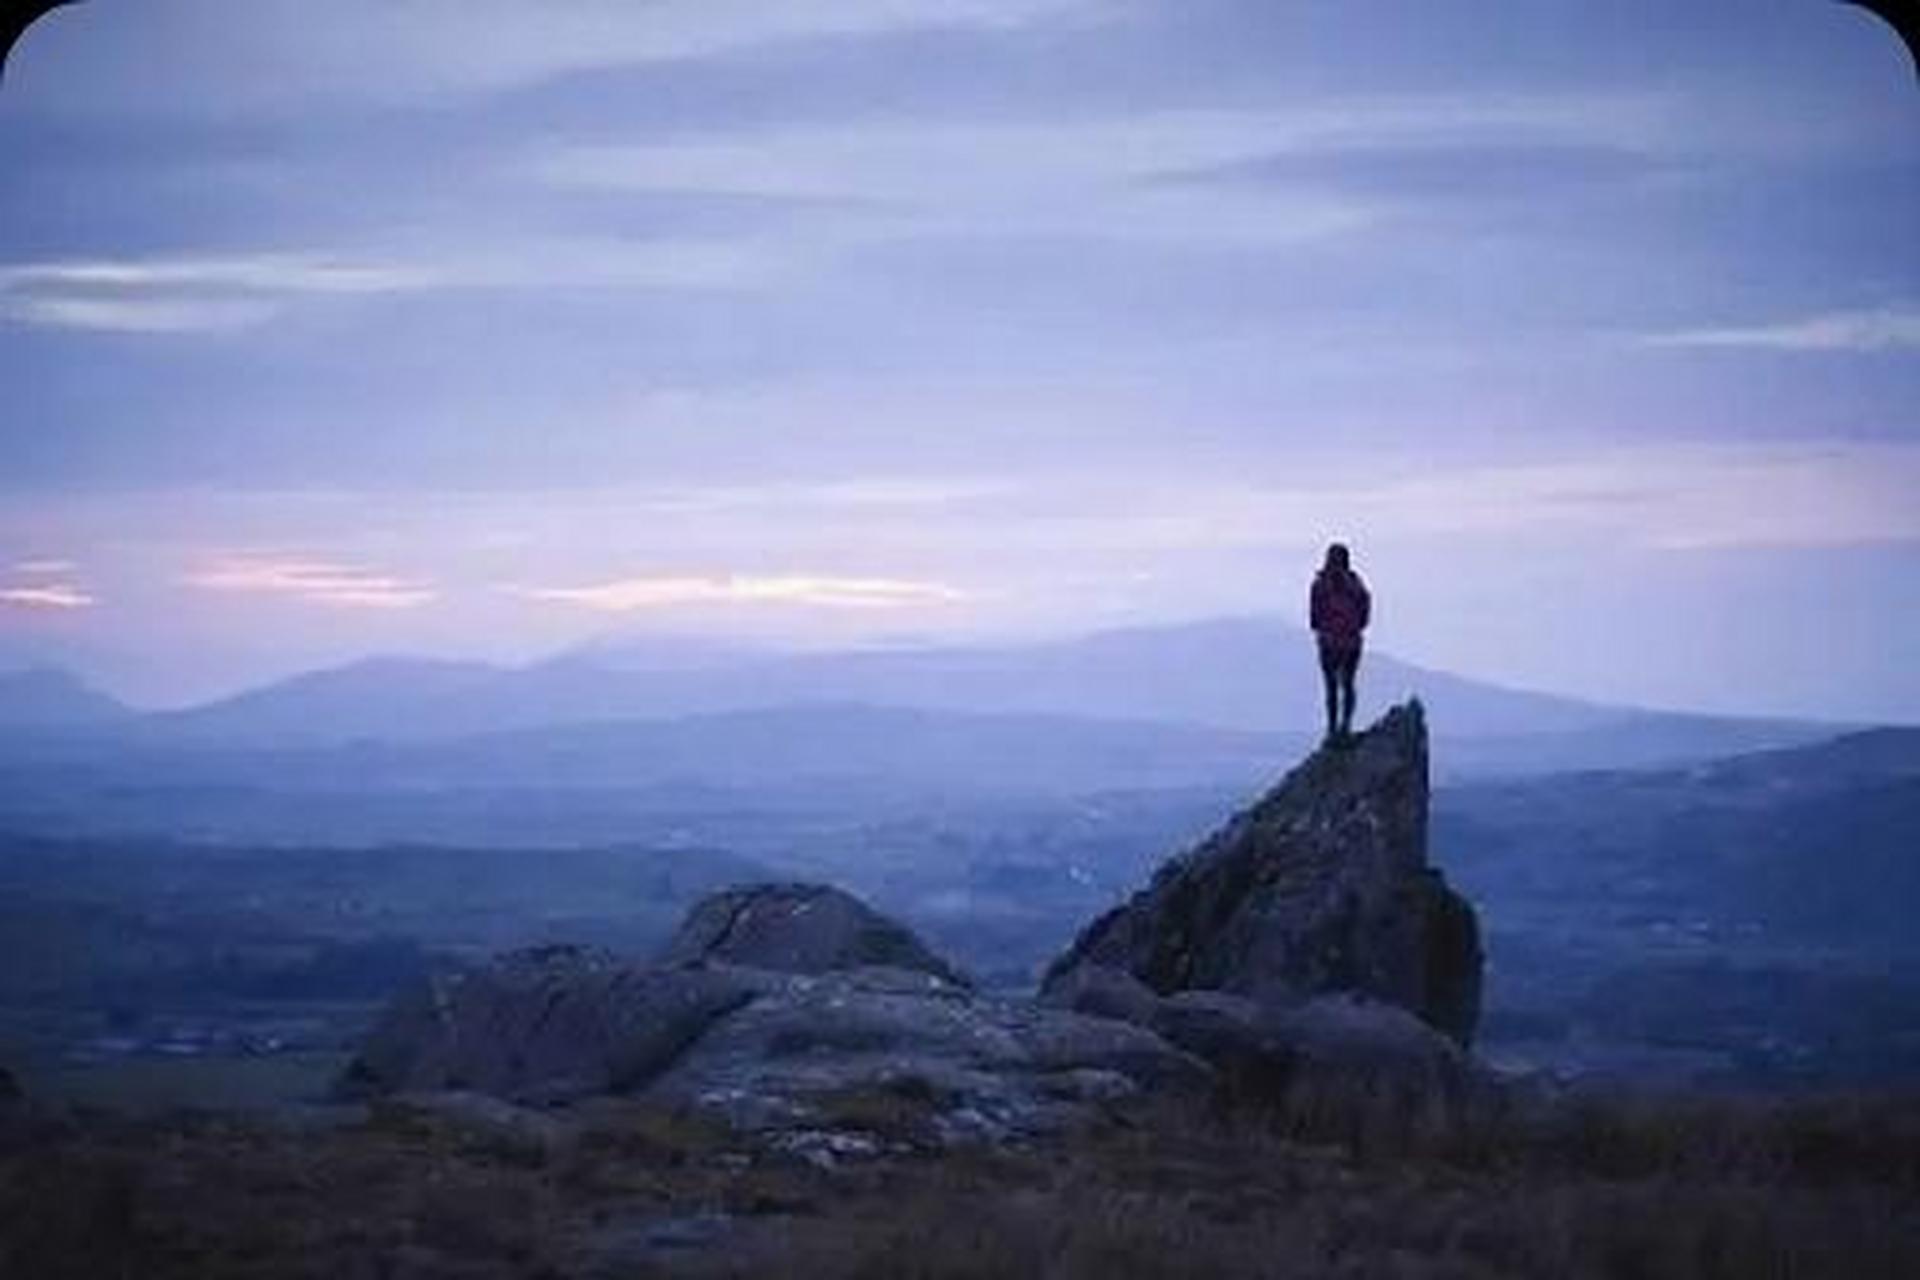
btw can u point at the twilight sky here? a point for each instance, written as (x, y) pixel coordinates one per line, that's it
(484, 327)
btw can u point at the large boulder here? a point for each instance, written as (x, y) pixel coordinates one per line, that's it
(543, 1024)
(1322, 886)
(759, 1045)
(798, 928)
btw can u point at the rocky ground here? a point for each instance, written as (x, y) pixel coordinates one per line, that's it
(1310, 1186)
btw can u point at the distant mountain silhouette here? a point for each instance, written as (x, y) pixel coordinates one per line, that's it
(375, 697)
(1239, 674)
(49, 698)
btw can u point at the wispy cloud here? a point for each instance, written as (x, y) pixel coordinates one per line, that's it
(1672, 497)
(194, 293)
(316, 581)
(881, 184)
(269, 272)
(52, 595)
(1669, 496)
(434, 47)
(142, 315)
(625, 595)
(600, 33)
(46, 582)
(913, 160)
(1871, 329)
(191, 293)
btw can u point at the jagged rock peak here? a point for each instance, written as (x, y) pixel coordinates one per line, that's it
(798, 928)
(1322, 885)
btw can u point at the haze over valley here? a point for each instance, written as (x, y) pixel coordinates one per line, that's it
(316, 838)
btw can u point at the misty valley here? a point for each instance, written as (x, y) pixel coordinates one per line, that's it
(217, 916)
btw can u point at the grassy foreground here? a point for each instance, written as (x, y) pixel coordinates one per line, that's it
(1330, 1185)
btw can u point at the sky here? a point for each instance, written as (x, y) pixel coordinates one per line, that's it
(482, 329)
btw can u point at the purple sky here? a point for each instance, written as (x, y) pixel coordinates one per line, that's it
(482, 328)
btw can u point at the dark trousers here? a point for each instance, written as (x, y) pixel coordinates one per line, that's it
(1338, 665)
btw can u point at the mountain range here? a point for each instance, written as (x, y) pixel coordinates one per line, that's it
(1229, 678)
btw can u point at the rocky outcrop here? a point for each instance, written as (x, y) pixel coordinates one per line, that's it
(1322, 886)
(759, 1045)
(1306, 941)
(798, 928)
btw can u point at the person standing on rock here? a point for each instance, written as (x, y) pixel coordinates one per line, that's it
(1338, 608)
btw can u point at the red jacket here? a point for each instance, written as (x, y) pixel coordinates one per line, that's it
(1339, 608)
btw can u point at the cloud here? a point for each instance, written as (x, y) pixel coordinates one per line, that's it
(627, 595)
(907, 159)
(1427, 171)
(1655, 496)
(46, 582)
(316, 581)
(268, 53)
(1872, 329)
(50, 595)
(194, 293)
(969, 179)
(1114, 176)
(870, 183)
(1673, 497)
(141, 315)
(517, 44)
(268, 272)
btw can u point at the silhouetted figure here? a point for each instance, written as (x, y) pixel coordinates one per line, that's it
(1339, 608)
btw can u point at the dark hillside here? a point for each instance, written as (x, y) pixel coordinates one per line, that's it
(1748, 918)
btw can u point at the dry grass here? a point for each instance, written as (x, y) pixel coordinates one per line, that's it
(1341, 1182)
(1365, 1185)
